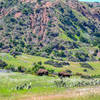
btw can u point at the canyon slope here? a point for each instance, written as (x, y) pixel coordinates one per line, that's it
(58, 29)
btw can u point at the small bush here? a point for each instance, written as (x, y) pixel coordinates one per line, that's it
(39, 2)
(86, 76)
(82, 56)
(2, 64)
(12, 68)
(21, 69)
(95, 76)
(68, 71)
(51, 71)
(1, 27)
(95, 52)
(37, 67)
(40, 63)
(85, 70)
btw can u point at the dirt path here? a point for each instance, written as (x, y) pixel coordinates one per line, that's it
(68, 94)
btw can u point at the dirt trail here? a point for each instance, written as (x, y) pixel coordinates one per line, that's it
(68, 94)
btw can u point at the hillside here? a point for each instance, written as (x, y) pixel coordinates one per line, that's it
(57, 29)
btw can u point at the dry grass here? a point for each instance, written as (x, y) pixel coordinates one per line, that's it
(72, 94)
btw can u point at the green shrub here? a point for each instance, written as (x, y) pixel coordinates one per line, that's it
(86, 65)
(85, 70)
(40, 63)
(13, 20)
(83, 39)
(1, 44)
(12, 68)
(68, 71)
(95, 52)
(50, 70)
(59, 53)
(86, 76)
(37, 67)
(21, 69)
(1, 27)
(39, 1)
(95, 76)
(2, 64)
(81, 56)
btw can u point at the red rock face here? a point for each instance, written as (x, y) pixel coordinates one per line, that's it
(4, 12)
(18, 14)
(39, 21)
(47, 4)
(73, 4)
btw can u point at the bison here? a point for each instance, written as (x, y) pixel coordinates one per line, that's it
(64, 74)
(42, 72)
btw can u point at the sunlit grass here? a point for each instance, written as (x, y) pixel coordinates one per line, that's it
(40, 85)
(28, 62)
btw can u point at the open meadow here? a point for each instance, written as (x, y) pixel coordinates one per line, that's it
(16, 85)
(44, 88)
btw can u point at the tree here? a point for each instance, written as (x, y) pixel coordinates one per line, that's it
(39, 2)
(1, 44)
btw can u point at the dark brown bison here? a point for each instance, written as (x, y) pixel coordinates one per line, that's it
(42, 72)
(64, 74)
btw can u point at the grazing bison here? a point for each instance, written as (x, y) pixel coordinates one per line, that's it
(64, 74)
(42, 72)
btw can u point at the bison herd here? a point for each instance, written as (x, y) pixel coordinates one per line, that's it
(42, 72)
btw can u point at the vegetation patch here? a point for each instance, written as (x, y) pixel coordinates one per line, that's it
(2, 64)
(56, 63)
(86, 65)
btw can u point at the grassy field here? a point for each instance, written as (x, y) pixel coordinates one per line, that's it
(40, 85)
(28, 61)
